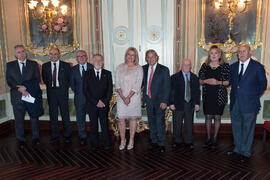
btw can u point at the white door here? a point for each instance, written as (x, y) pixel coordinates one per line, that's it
(143, 24)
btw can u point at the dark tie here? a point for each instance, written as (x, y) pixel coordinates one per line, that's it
(241, 73)
(98, 75)
(187, 89)
(54, 75)
(23, 69)
(83, 71)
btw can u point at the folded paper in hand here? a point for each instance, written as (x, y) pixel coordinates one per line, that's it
(28, 98)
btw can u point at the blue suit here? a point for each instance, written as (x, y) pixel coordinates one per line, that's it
(79, 98)
(245, 103)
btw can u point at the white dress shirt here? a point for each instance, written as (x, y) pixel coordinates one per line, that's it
(21, 65)
(84, 66)
(245, 66)
(57, 72)
(148, 75)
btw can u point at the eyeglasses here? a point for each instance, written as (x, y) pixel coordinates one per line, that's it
(81, 56)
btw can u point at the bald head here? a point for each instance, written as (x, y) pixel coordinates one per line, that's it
(54, 54)
(186, 65)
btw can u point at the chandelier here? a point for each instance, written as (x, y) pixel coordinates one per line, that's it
(51, 13)
(231, 8)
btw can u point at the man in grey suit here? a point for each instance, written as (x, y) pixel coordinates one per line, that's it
(18, 71)
(77, 87)
(156, 92)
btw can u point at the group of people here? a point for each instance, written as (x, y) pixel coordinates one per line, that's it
(93, 88)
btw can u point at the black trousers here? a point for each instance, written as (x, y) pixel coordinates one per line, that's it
(102, 115)
(19, 111)
(58, 97)
(178, 117)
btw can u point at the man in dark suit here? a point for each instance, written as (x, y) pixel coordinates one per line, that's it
(97, 88)
(77, 87)
(19, 71)
(248, 82)
(56, 75)
(184, 98)
(156, 92)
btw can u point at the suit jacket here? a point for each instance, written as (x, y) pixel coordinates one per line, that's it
(77, 84)
(14, 77)
(160, 86)
(64, 75)
(250, 88)
(177, 95)
(34, 109)
(95, 90)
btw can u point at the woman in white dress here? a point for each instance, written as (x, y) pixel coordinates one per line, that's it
(128, 81)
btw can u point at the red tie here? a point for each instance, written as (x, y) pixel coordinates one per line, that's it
(54, 75)
(150, 82)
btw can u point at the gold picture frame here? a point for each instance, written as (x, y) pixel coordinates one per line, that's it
(43, 50)
(230, 47)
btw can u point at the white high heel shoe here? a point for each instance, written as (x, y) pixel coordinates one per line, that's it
(130, 146)
(122, 147)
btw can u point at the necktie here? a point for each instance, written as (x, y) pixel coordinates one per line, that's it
(150, 82)
(241, 73)
(54, 75)
(83, 71)
(98, 75)
(187, 89)
(23, 69)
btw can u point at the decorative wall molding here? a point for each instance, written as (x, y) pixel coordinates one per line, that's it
(154, 34)
(179, 40)
(121, 35)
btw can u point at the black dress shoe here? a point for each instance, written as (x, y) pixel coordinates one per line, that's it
(54, 140)
(231, 153)
(162, 149)
(243, 158)
(177, 145)
(36, 141)
(82, 141)
(21, 144)
(153, 146)
(208, 143)
(94, 148)
(67, 140)
(214, 144)
(190, 145)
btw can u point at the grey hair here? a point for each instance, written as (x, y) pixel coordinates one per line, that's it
(18, 46)
(98, 55)
(83, 51)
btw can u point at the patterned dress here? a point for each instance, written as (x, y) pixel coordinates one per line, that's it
(129, 78)
(215, 97)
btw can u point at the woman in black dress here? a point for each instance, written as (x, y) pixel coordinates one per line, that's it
(214, 78)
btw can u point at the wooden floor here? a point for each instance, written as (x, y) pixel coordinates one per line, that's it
(73, 161)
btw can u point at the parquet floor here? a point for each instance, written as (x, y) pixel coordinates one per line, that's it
(73, 161)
